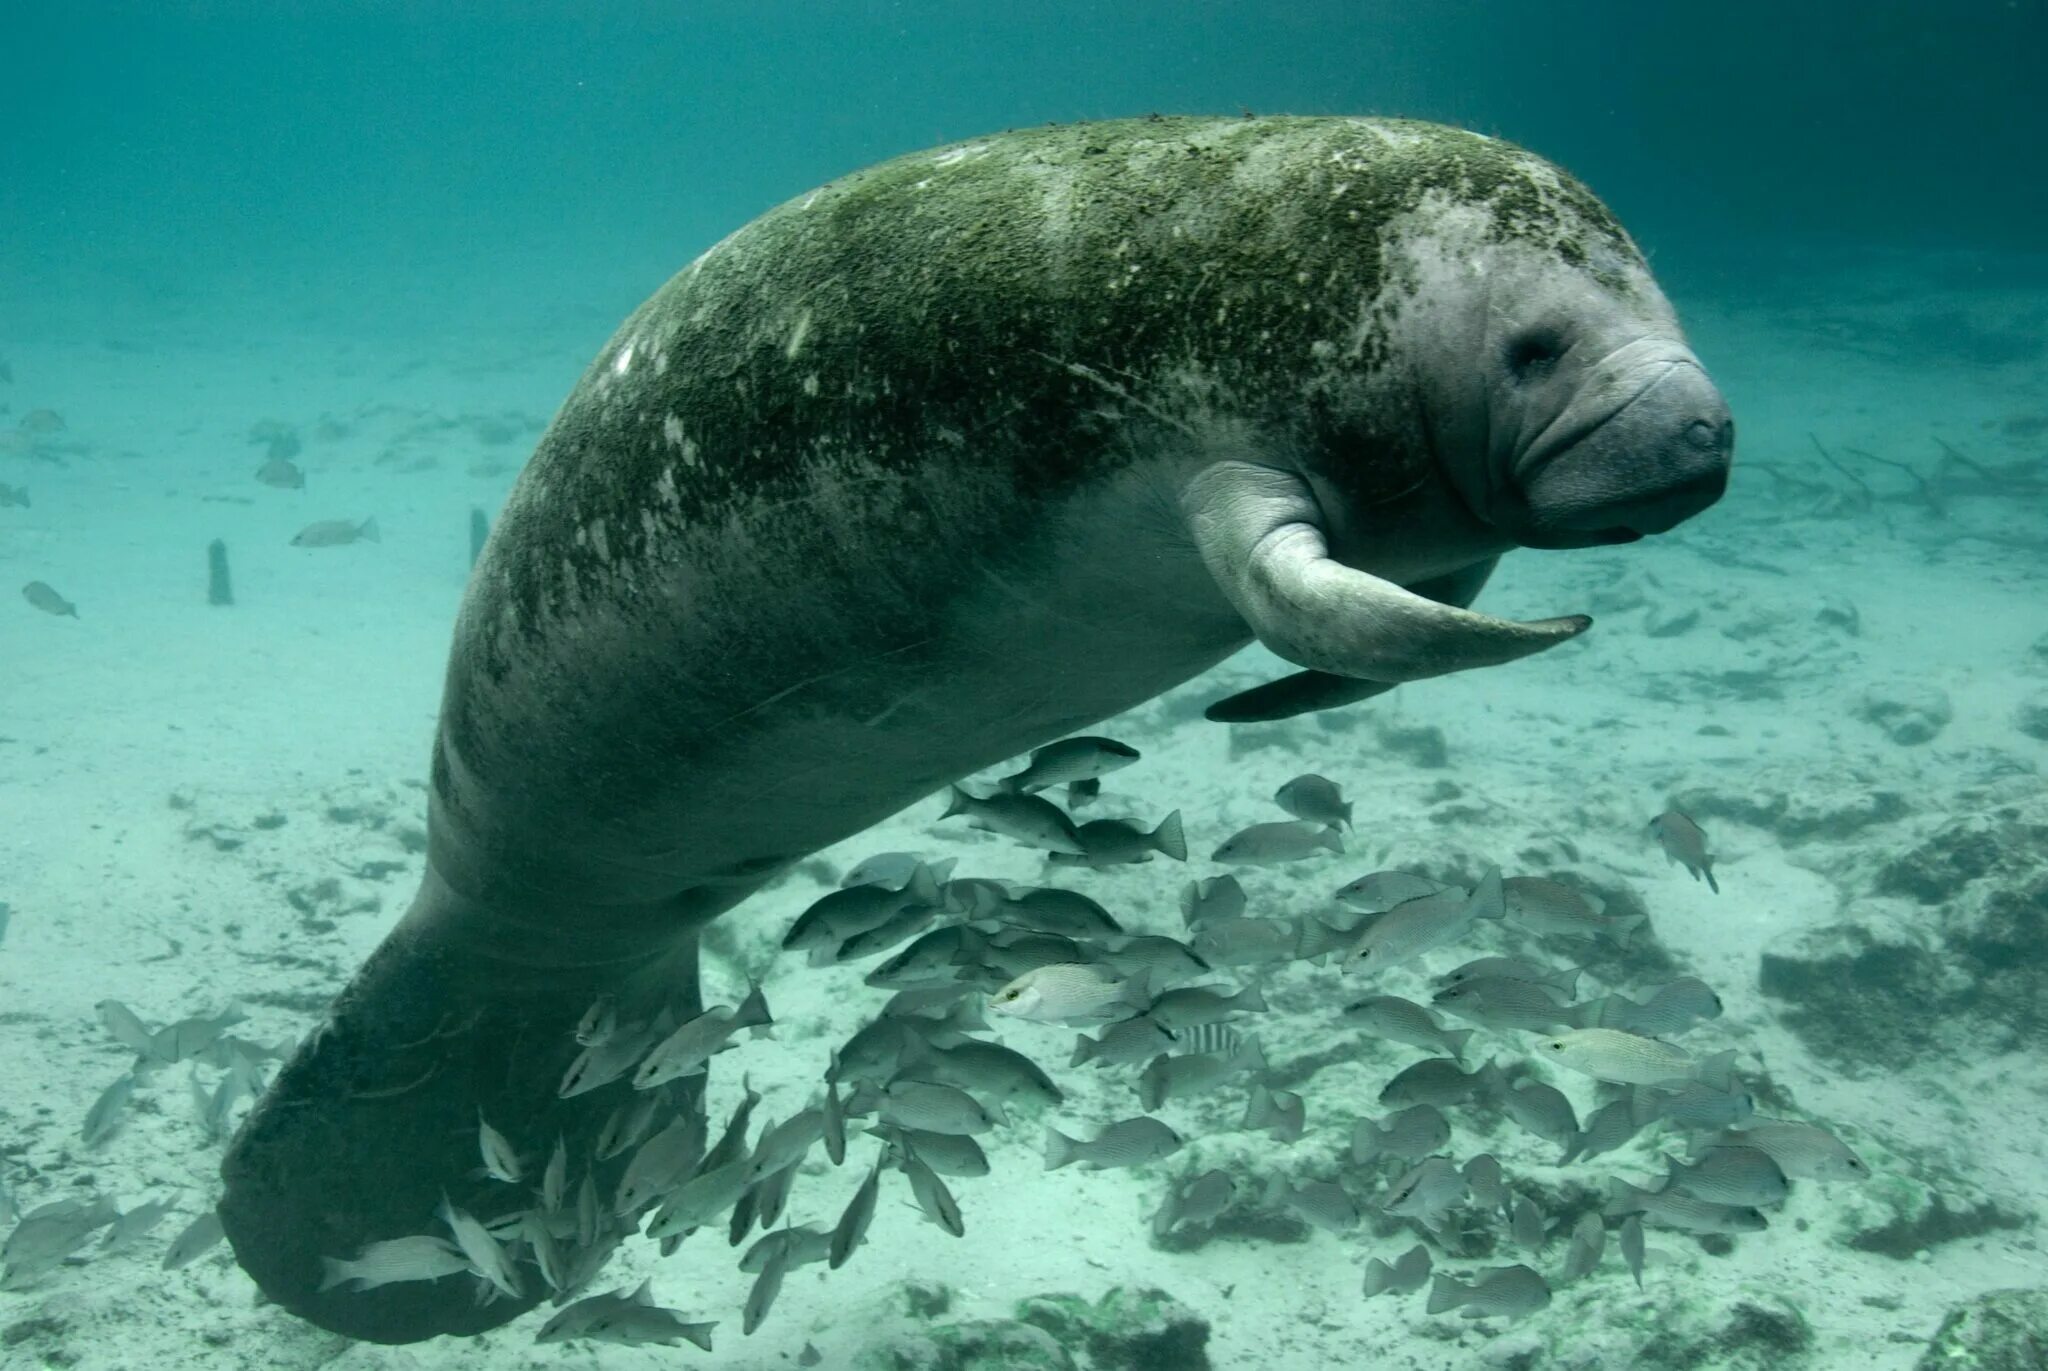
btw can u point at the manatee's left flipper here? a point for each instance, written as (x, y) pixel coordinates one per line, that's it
(1258, 532)
(1306, 692)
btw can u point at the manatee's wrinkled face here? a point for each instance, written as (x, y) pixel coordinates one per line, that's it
(1564, 404)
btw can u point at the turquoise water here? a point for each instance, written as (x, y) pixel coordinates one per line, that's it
(308, 284)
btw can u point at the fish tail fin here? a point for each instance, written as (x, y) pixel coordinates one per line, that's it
(1378, 1276)
(1085, 1049)
(1446, 1294)
(1251, 999)
(1644, 1105)
(1626, 928)
(957, 802)
(1344, 813)
(1330, 838)
(367, 530)
(1250, 1054)
(1707, 870)
(1169, 838)
(333, 1272)
(1365, 1142)
(1572, 1146)
(1718, 1071)
(1059, 1148)
(1457, 1038)
(1622, 1198)
(923, 887)
(1258, 1110)
(1567, 981)
(1010, 785)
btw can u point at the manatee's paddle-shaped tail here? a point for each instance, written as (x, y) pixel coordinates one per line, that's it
(375, 1116)
(1257, 530)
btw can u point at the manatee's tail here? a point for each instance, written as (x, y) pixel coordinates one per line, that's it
(376, 1116)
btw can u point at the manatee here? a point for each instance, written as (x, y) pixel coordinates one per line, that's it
(919, 471)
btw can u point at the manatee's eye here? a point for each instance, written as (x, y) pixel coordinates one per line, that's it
(1533, 353)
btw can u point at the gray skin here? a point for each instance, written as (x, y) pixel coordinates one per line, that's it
(941, 462)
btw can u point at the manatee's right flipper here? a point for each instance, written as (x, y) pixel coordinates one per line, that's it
(375, 1116)
(1257, 531)
(1306, 692)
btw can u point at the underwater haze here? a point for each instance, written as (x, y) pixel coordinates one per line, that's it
(958, 786)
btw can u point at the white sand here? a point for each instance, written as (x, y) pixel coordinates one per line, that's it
(319, 686)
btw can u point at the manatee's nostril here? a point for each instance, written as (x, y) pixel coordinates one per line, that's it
(1709, 437)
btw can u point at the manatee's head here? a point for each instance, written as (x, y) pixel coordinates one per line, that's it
(1559, 396)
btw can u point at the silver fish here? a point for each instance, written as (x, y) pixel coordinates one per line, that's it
(689, 1049)
(1608, 1054)
(1485, 1182)
(1409, 1273)
(1502, 1004)
(1315, 799)
(45, 597)
(805, 1243)
(1409, 1135)
(1246, 942)
(1165, 959)
(189, 1037)
(1049, 909)
(105, 1115)
(1404, 1021)
(282, 473)
(660, 1164)
(604, 1062)
(126, 1029)
(422, 1258)
(702, 1199)
(1632, 1246)
(133, 1225)
(539, 1236)
(1545, 1111)
(554, 1178)
(787, 1143)
(852, 1228)
(1589, 1240)
(1170, 1077)
(1274, 843)
(1427, 1192)
(1685, 843)
(1730, 1174)
(949, 1154)
(1201, 1201)
(1010, 953)
(1281, 1114)
(1439, 1081)
(1668, 1011)
(933, 959)
(834, 1115)
(1070, 760)
(933, 1107)
(625, 1319)
(1606, 1129)
(1123, 1044)
(1691, 1105)
(931, 1194)
(1129, 1143)
(1525, 1223)
(501, 1162)
(48, 1234)
(1194, 1005)
(627, 1125)
(991, 1069)
(1210, 900)
(1414, 927)
(487, 1257)
(1069, 991)
(1557, 910)
(1501, 1292)
(337, 533)
(1379, 891)
(1564, 980)
(1326, 1204)
(873, 1053)
(1803, 1151)
(842, 915)
(1670, 1209)
(1121, 842)
(891, 869)
(1028, 819)
(767, 1285)
(193, 1241)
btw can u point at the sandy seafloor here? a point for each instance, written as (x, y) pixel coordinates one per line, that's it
(140, 744)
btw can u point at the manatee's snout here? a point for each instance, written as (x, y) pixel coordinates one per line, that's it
(1647, 466)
